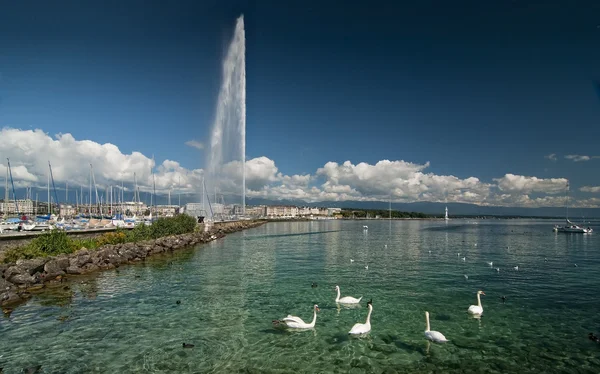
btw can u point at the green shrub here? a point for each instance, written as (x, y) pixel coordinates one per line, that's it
(13, 254)
(51, 243)
(55, 242)
(139, 233)
(180, 224)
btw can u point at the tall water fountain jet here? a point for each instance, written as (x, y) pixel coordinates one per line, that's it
(226, 170)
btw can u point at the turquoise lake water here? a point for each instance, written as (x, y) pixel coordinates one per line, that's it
(230, 290)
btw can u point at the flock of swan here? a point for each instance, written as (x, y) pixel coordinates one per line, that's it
(294, 322)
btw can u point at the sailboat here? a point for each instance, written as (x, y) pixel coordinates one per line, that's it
(446, 216)
(570, 227)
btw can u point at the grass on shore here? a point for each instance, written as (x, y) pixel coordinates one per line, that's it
(56, 242)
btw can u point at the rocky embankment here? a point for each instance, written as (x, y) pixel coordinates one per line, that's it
(18, 279)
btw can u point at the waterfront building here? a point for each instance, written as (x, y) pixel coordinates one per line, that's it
(25, 206)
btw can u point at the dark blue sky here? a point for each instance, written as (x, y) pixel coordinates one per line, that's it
(478, 88)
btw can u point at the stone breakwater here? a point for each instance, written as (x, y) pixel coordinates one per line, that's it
(18, 279)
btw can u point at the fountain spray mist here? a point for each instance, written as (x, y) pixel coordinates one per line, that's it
(227, 153)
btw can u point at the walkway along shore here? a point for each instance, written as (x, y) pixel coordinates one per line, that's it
(18, 280)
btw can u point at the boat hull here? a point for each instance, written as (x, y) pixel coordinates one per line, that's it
(573, 229)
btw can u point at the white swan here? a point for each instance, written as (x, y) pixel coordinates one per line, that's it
(477, 309)
(363, 328)
(346, 299)
(491, 263)
(434, 336)
(516, 268)
(294, 322)
(464, 259)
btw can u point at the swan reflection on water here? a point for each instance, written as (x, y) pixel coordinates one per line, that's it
(339, 307)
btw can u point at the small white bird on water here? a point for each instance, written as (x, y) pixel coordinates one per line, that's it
(351, 260)
(434, 336)
(516, 268)
(466, 277)
(458, 254)
(367, 267)
(497, 270)
(464, 259)
(491, 263)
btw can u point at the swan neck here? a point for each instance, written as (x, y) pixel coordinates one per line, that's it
(427, 319)
(369, 315)
(312, 324)
(479, 300)
(338, 295)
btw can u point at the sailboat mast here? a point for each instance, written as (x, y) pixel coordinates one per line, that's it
(6, 197)
(13, 187)
(135, 193)
(567, 201)
(6, 187)
(96, 190)
(49, 202)
(90, 195)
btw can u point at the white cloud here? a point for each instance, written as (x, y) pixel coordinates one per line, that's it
(195, 144)
(30, 151)
(404, 181)
(524, 185)
(579, 158)
(593, 189)
(551, 157)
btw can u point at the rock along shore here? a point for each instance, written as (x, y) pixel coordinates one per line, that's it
(18, 279)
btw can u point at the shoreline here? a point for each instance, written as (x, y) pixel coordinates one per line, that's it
(19, 280)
